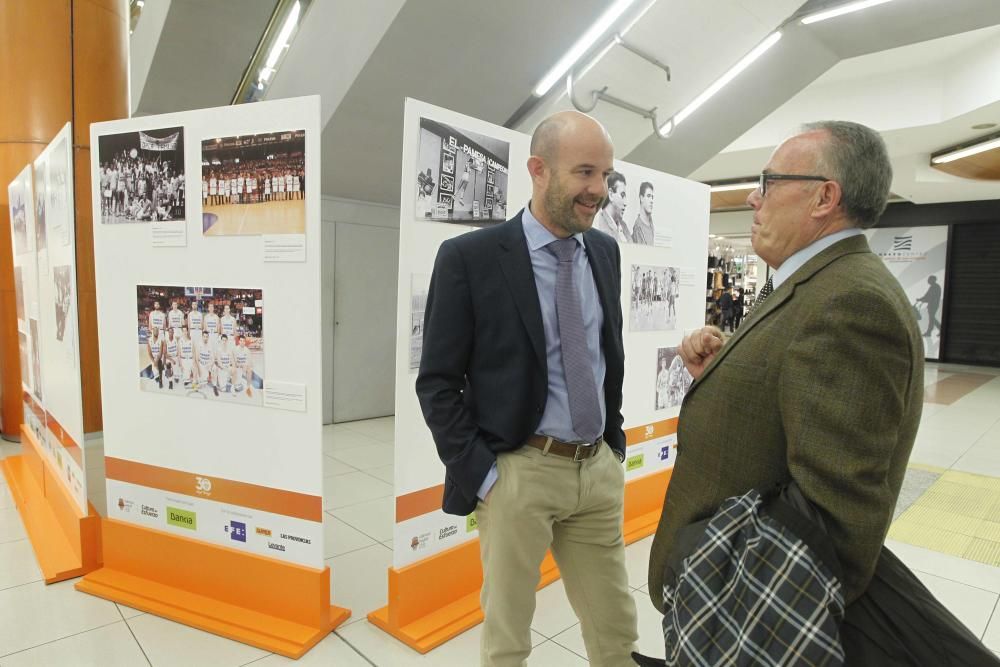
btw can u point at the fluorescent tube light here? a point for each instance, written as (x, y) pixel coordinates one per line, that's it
(282, 41)
(841, 10)
(966, 152)
(745, 62)
(582, 45)
(729, 187)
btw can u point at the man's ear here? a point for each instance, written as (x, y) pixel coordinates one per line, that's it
(537, 169)
(827, 198)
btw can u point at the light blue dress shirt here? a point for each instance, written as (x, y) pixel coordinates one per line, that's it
(798, 260)
(556, 420)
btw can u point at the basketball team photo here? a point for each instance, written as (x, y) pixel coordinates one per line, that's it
(254, 184)
(142, 176)
(201, 342)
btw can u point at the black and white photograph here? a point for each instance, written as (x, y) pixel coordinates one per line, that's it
(419, 284)
(201, 342)
(142, 176)
(19, 220)
(672, 379)
(62, 279)
(654, 291)
(36, 361)
(40, 205)
(19, 292)
(254, 184)
(461, 175)
(59, 217)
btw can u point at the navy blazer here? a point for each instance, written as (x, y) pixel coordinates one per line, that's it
(483, 378)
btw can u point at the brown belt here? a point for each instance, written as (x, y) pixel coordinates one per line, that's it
(575, 451)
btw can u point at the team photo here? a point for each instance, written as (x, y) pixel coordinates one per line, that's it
(254, 184)
(654, 298)
(201, 342)
(142, 176)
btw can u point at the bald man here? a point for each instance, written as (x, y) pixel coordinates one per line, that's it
(520, 383)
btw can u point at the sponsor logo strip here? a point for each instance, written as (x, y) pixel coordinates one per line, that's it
(419, 503)
(68, 443)
(640, 434)
(242, 494)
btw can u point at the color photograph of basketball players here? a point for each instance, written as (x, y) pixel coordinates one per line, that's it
(254, 184)
(201, 342)
(64, 294)
(672, 378)
(18, 219)
(461, 175)
(653, 297)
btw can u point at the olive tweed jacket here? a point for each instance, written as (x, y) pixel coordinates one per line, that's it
(823, 384)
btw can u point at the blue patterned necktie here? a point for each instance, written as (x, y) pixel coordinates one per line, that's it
(584, 408)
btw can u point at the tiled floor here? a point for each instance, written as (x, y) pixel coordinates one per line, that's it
(55, 625)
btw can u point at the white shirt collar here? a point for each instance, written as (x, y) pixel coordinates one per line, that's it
(798, 260)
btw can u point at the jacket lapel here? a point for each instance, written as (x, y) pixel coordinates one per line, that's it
(783, 293)
(602, 268)
(515, 262)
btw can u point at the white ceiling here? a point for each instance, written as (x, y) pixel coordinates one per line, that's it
(483, 58)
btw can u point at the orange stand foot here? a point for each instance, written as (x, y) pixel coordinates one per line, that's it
(437, 598)
(66, 542)
(279, 607)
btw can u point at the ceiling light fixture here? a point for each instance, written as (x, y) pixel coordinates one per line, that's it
(282, 41)
(729, 187)
(848, 8)
(720, 83)
(980, 146)
(582, 45)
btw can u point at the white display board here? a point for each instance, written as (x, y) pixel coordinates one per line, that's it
(219, 439)
(55, 237)
(917, 256)
(432, 138)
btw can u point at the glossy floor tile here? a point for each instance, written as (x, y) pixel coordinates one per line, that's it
(56, 625)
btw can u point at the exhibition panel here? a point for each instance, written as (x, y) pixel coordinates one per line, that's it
(49, 479)
(207, 260)
(917, 256)
(460, 174)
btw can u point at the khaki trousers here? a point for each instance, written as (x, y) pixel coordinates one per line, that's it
(576, 509)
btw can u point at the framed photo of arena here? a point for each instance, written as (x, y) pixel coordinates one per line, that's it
(201, 342)
(254, 184)
(142, 176)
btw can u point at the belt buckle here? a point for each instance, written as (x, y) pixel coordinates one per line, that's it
(582, 447)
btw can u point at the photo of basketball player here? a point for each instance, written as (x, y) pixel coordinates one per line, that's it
(672, 379)
(61, 277)
(142, 176)
(190, 350)
(419, 284)
(263, 184)
(467, 167)
(654, 291)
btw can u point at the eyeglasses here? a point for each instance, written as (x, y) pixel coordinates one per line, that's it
(766, 176)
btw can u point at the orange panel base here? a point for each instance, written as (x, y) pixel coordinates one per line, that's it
(66, 542)
(279, 607)
(437, 598)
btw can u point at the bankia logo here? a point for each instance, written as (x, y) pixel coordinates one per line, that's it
(237, 531)
(182, 518)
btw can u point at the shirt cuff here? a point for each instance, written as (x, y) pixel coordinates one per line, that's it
(491, 479)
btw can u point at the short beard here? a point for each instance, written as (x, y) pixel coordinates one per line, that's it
(561, 210)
